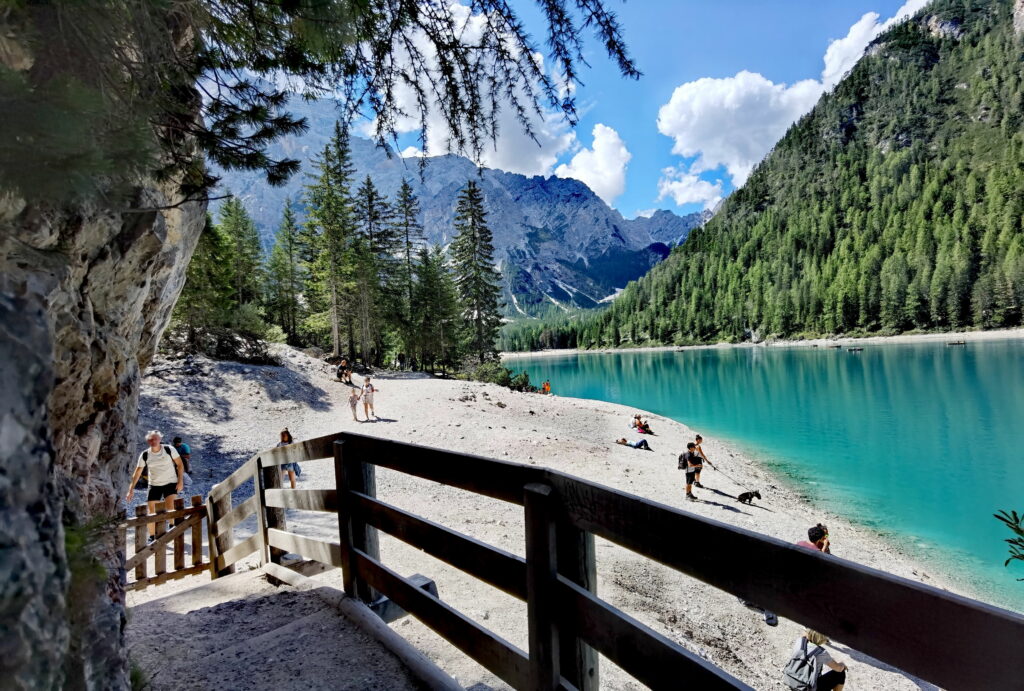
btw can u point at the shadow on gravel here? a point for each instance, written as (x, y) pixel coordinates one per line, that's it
(868, 660)
(724, 506)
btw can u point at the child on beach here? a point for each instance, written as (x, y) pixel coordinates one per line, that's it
(353, 401)
(367, 393)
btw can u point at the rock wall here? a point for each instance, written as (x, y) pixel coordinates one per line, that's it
(84, 297)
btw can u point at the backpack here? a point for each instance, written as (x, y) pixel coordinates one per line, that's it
(802, 670)
(682, 461)
(144, 478)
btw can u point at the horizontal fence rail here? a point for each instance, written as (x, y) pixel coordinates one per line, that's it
(943, 638)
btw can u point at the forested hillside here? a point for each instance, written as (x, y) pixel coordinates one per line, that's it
(896, 204)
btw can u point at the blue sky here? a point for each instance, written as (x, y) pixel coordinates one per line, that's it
(722, 82)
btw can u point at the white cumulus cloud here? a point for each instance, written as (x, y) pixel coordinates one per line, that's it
(733, 122)
(603, 167)
(684, 187)
(843, 53)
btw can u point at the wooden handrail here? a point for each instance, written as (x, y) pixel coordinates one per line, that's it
(943, 638)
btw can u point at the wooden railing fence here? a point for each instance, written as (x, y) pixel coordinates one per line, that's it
(943, 638)
(173, 528)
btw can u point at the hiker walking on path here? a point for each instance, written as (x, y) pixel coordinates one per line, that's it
(704, 458)
(691, 463)
(367, 393)
(185, 451)
(162, 465)
(811, 668)
(290, 468)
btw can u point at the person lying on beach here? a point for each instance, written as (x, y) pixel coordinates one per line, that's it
(829, 674)
(817, 539)
(642, 444)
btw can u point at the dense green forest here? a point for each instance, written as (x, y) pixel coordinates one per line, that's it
(356, 278)
(895, 205)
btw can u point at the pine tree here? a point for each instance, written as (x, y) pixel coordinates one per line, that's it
(476, 279)
(437, 321)
(330, 223)
(207, 296)
(375, 248)
(285, 275)
(246, 258)
(410, 237)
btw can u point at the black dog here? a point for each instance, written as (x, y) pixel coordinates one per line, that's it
(747, 497)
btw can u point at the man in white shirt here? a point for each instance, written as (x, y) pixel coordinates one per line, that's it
(166, 474)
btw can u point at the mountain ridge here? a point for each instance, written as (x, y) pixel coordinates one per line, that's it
(896, 204)
(557, 244)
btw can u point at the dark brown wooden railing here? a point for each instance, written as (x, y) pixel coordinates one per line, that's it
(172, 529)
(952, 641)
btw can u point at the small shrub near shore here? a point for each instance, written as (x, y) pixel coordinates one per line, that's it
(493, 372)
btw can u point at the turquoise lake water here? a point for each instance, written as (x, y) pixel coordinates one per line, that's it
(922, 442)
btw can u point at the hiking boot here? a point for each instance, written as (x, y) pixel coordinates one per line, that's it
(690, 497)
(697, 484)
(151, 539)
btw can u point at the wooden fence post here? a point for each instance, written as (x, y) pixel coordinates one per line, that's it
(179, 542)
(161, 550)
(275, 518)
(221, 540)
(352, 475)
(197, 534)
(577, 562)
(141, 533)
(541, 573)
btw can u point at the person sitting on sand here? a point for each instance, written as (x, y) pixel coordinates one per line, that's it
(831, 675)
(817, 539)
(289, 468)
(643, 427)
(545, 388)
(642, 444)
(353, 401)
(367, 393)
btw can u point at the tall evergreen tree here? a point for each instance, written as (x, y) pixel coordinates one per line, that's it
(208, 294)
(285, 275)
(330, 224)
(246, 259)
(476, 279)
(375, 261)
(436, 322)
(410, 236)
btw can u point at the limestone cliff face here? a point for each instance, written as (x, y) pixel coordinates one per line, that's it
(85, 294)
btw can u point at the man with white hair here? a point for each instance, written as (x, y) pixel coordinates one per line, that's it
(166, 474)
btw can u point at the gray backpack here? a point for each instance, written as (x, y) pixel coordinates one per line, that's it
(802, 670)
